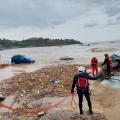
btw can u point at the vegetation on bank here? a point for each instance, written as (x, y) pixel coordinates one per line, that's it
(35, 42)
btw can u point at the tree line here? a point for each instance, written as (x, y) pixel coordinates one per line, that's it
(36, 42)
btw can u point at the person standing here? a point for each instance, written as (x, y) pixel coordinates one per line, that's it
(107, 62)
(94, 66)
(80, 80)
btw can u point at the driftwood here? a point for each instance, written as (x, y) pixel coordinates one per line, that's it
(66, 58)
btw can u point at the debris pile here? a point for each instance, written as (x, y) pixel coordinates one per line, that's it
(29, 88)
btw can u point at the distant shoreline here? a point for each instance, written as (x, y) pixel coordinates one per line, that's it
(36, 42)
(38, 46)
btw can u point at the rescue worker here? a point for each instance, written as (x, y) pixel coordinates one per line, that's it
(107, 62)
(94, 66)
(82, 85)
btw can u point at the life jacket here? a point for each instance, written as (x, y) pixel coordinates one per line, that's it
(94, 62)
(83, 83)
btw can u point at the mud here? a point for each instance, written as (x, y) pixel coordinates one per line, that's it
(35, 90)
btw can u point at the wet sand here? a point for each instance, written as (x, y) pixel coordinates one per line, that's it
(35, 90)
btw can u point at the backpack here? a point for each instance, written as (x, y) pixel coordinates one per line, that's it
(83, 83)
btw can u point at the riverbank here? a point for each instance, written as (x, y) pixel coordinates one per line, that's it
(47, 86)
(51, 84)
(45, 56)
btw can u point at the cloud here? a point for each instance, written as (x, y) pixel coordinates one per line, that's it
(44, 13)
(91, 25)
(113, 11)
(41, 13)
(112, 8)
(118, 18)
(58, 18)
(113, 21)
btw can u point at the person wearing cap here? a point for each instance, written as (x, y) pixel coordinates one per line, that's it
(94, 66)
(107, 62)
(80, 80)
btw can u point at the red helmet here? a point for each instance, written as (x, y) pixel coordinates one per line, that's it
(106, 55)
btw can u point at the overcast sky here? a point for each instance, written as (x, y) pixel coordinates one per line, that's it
(83, 20)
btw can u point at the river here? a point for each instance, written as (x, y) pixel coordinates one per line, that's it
(45, 56)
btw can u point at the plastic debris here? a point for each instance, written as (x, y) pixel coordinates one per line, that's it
(55, 81)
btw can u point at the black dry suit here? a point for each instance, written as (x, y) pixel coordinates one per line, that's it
(107, 63)
(81, 91)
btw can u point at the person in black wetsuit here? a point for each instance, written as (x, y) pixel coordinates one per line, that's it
(81, 82)
(108, 64)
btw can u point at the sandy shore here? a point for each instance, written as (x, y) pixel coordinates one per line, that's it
(49, 85)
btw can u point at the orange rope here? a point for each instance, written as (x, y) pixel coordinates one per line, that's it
(73, 103)
(33, 111)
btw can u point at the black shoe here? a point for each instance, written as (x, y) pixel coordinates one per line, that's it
(81, 112)
(91, 112)
(2, 99)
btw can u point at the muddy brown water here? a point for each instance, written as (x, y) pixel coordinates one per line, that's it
(45, 56)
